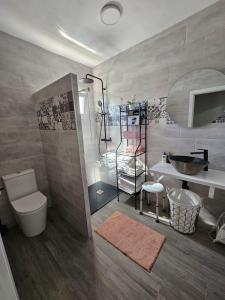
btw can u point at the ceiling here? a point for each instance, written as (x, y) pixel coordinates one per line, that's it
(41, 21)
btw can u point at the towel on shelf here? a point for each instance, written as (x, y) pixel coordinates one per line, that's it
(127, 165)
(133, 148)
(128, 183)
(135, 134)
(108, 159)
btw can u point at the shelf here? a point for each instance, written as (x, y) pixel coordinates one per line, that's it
(132, 125)
(127, 191)
(139, 111)
(134, 139)
(136, 109)
(132, 176)
(130, 154)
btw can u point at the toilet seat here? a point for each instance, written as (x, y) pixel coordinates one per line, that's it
(29, 204)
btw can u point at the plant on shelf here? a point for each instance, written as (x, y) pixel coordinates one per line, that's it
(131, 103)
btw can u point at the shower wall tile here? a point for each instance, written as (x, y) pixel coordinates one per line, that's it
(149, 69)
(64, 154)
(24, 69)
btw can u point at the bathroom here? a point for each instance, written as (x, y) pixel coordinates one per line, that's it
(40, 59)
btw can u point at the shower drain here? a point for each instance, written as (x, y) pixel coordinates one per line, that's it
(99, 192)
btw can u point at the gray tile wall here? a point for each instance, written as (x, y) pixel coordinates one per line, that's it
(24, 69)
(149, 69)
(64, 157)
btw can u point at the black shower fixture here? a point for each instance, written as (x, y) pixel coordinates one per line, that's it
(88, 80)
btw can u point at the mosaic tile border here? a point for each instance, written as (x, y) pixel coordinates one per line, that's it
(57, 113)
(156, 113)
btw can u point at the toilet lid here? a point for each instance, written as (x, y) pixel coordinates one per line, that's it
(29, 203)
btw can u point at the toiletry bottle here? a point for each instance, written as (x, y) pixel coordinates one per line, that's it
(168, 157)
(164, 157)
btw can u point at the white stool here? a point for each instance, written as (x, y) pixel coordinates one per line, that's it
(152, 187)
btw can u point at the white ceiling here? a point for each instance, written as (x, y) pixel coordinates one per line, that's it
(39, 22)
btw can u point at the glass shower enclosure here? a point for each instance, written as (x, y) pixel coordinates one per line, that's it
(99, 155)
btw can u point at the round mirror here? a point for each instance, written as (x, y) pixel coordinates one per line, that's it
(197, 98)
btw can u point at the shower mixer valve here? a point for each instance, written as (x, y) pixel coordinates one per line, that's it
(107, 140)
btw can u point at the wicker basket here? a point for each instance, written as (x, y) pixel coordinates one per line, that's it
(184, 209)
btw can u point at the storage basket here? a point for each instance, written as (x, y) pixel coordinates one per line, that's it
(220, 229)
(184, 209)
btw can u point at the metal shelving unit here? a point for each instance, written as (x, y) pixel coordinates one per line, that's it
(140, 110)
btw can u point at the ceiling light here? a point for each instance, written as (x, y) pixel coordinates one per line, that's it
(65, 35)
(111, 13)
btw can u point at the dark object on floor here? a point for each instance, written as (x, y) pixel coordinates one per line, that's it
(3, 228)
(100, 193)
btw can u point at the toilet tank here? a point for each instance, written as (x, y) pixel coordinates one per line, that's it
(20, 184)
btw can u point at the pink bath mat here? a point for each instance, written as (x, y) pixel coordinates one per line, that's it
(139, 242)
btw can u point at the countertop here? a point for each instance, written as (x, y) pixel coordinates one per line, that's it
(212, 178)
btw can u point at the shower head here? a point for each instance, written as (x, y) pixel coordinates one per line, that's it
(86, 80)
(100, 103)
(84, 90)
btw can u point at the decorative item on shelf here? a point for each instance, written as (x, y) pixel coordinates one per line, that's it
(133, 112)
(133, 120)
(164, 157)
(131, 103)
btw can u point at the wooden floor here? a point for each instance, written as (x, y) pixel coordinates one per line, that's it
(59, 264)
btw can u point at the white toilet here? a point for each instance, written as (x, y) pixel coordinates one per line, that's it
(29, 205)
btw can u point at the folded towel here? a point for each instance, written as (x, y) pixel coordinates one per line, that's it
(131, 181)
(127, 165)
(133, 135)
(133, 149)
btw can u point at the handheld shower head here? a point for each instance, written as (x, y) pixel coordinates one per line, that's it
(99, 103)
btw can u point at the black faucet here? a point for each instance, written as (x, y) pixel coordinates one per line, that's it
(205, 154)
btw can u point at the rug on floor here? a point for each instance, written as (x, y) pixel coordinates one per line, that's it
(139, 242)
